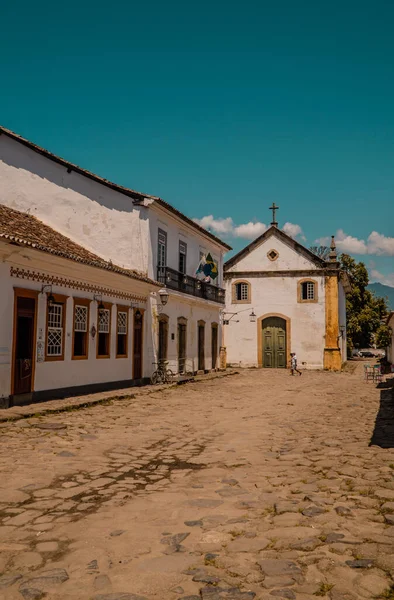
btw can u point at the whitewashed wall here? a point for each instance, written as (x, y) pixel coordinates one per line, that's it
(277, 295)
(179, 231)
(100, 219)
(257, 259)
(67, 372)
(180, 305)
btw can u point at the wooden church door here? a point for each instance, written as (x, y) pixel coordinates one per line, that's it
(274, 343)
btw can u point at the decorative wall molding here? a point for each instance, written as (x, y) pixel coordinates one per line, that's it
(288, 273)
(20, 273)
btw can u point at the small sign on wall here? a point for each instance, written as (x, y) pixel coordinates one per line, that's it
(40, 352)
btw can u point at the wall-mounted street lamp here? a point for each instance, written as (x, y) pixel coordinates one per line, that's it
(99, 299)
(342, 329)
(226, 321)
(163, 294)
(252, 316)
(50, 297)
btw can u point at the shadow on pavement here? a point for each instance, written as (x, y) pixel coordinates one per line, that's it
(383, 433)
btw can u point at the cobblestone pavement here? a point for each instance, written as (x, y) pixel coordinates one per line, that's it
(258, 485)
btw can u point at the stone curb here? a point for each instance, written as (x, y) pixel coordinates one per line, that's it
(39, 409)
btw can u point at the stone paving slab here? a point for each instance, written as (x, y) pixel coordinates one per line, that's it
(258, 486)
(15, 413)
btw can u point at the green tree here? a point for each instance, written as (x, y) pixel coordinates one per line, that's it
(383, 337)
(364, 311)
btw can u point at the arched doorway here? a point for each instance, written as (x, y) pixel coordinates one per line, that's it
(274, 342)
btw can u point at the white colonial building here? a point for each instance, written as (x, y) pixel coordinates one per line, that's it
(83, 260)
(282, 298)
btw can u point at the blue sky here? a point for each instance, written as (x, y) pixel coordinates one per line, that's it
(220, 108)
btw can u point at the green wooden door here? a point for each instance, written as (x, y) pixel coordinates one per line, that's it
(274, 343)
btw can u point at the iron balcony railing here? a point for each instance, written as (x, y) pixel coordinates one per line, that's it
(180, 282)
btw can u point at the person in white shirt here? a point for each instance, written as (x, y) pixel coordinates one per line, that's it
(293, 367)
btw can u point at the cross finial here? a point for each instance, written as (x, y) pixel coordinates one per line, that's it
(274, 208)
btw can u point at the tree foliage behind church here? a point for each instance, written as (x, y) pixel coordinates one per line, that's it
(364, 311)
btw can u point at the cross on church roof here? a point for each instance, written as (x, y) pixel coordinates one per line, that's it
(274, 208)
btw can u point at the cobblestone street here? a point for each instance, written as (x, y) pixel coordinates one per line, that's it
(257, 485)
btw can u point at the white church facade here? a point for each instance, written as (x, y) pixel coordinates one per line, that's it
(282, 298)
(83, 261)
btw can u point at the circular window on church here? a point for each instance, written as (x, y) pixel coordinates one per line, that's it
(273, 254)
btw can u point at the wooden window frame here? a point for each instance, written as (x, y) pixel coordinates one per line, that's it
(59, 299)
(234, 299)
(299, 291)
(184, 244)
(81, 302)
(122, 309)
(108, 306)
(164, 233)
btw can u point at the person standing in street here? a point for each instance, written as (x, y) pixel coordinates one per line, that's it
(293, 366)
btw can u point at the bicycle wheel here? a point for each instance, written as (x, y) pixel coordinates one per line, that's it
(155, 378)
(169, 376)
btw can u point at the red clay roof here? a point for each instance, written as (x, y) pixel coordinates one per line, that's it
(136, 196)
(24, 229)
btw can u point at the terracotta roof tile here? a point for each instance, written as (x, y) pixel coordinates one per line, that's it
(25, 229)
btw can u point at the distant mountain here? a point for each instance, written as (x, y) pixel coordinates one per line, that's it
(383, 291)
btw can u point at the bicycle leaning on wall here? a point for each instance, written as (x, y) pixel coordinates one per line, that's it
(162, 374)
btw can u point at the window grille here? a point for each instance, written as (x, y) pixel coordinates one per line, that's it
(122, 323)
(81, 318)
(308, 290)
(55, 330)
(103, 320)
(242, 291)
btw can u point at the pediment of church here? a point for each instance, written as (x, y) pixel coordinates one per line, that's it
(274, 250)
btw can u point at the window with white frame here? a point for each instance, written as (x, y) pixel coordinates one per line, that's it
(241, 292)
(308, 291)
(55, 328)
(81, 315)
(103, 328)
(121, 343)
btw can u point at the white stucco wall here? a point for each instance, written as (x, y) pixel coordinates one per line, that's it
(180, 305)
(100, 219)
(257, 259)
(277, 295)
(178, 231)
(68, 372)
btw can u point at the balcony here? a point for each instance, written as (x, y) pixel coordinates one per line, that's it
(174, 280)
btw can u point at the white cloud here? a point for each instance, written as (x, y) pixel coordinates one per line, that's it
(376, 244)
(350, 244)
(380, 244)
(250, 230)
(217, 225)
(377, 276)
(293, 230)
